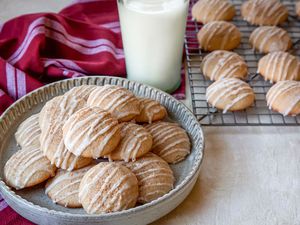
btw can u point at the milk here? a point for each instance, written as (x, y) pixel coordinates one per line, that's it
(153, 37)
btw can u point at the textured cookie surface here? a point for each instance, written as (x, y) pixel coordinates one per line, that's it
(108, 187)
(219, 35)
(270, 39)
(120, 102)
(151, 111)
(264, 12)
(81, 92)
(28, 167)
(277, 66)
(91, 132)
(284, 97)
(170, 141)
(205, 11)
(154, 175)
(230, 94)
(224, 64)
(136, 141)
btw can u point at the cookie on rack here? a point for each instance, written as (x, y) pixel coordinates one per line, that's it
(28, 167)
(297, 8)
(91, 132)
(230, 94)
(264, 12)
(170, 141)
(154, 175)
(284, 97)
(205, 11)
(224, 64)
(151, 111)
(277, 66)
(119, 101)
(270, 39)
(219, 35)
(108, 187)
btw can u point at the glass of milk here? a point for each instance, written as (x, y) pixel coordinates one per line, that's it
(153, 37)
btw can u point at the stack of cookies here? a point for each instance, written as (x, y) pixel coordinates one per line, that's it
(100, 148)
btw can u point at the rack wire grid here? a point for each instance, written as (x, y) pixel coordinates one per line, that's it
(259, 113)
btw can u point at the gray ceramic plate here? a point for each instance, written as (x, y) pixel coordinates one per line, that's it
(34, 205)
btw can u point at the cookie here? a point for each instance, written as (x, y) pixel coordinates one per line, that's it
(230, 94)
(81, 92)
(151, 111)
(284, 97)
(297, 8)
(205, 11)
(27, 167)
(108, 187)
(277, 66)
(270, 39)
(63, 189)
(264, 12)
(136, 142)
(224, 64)
(170, 141)
(154, 175)
(28, 133)
(91, 132)
(120, 102)
(219, 35)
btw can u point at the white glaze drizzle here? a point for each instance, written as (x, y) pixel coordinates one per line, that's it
(150, 108)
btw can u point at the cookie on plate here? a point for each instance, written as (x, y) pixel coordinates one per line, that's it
(264, 12)
(27, 167)
(151, 111)
(219, 35)
(224, 64)
(230, 94)
(81, 92)
(277, 66)
(154, 175)
(170, 141)
(205, 11)
(270, 39)
(108, 187)
(284, 97)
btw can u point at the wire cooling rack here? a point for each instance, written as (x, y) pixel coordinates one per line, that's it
(259, 113)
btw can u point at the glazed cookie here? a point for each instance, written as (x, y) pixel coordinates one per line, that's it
(91, 132)
(230, 94)
(264, 12)
(224, 64)
(154, 175)
(284, 97)
(136, 141)
(151, 111)
(205, 11)
(28, 133)
(219, 35)
(277, 66)
(81, 92)
(27, 167)
(120, 102)
(270, 39)
(297, 7)
(170, 141)
(108, 187)
(63, 189)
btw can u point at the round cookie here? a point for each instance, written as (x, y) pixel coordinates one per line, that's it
(151, 111)
(205, 11)
(224, 64)
(27, 167)
(81, 92)
(28, 133)
(170, 141)
(277, 66)
(219, 35)
(264, 12)
(136, 141)
(108, 187)
(154, 175)
(119, 101)
(270, 39)
(91, 132)
(297, 8)
(230, 94)
(284, 97)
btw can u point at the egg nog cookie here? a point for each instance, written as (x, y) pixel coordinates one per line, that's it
(81, 92)
(151, 111)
